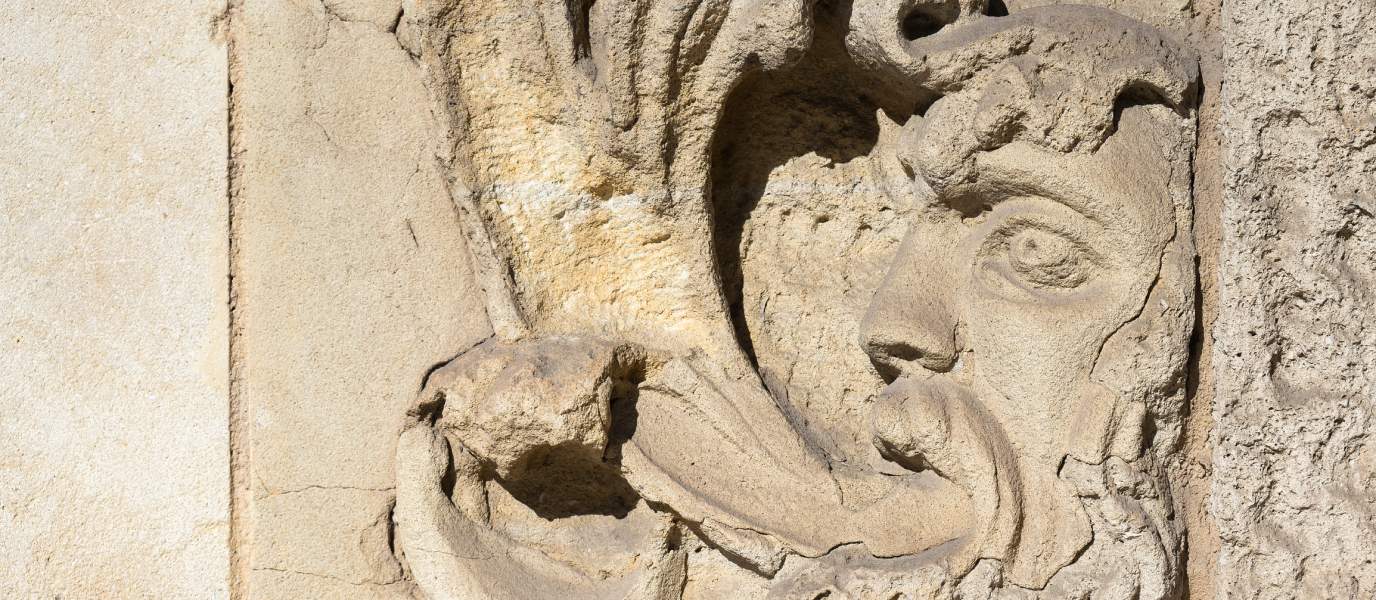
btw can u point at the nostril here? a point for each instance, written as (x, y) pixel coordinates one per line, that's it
(908, 328)
(894, 358)
(903, 352)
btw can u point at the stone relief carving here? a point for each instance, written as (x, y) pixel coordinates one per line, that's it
(616, 439)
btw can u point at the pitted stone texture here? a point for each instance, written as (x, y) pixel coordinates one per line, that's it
(113, 301)
(578, 141)
(1295, 359)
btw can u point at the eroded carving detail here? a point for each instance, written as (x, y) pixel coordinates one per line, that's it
(615, 441)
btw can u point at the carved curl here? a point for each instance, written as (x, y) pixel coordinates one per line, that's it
(1048, 75)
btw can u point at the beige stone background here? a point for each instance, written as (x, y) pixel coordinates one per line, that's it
(204, 345)
(114, 308)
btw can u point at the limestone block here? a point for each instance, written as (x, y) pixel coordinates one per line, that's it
(649, 299)
(113, 300)
(356, 548)
(1293, 479)
(351, 283)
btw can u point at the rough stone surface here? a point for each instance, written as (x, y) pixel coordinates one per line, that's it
(1293, 479)
(113, 301)
(819, 188)
(1197, 25)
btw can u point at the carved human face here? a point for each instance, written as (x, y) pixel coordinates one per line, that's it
(1012, 290)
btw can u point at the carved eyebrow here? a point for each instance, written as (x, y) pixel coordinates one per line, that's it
(1051, 184)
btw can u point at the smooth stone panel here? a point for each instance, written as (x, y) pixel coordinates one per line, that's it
(114, 466)
(351, 283)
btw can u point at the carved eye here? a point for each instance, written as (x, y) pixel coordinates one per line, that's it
(1043, 258)
(1031, 255)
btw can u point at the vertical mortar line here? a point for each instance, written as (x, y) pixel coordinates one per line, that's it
(240, 563)
(1200, 437)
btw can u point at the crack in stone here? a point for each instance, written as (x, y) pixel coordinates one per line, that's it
(323, 576)
(271, 493)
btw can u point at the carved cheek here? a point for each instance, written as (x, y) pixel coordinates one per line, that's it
(1037, 350)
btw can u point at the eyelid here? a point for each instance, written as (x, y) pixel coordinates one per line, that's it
(1053, 211)
(1050, 190)
(1014, 216)
(1018, 223)
(1040, 212)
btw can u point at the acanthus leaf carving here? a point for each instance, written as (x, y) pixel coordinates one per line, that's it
(1031, 327)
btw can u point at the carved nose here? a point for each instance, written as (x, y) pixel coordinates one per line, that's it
(901, 341)
(910, 323)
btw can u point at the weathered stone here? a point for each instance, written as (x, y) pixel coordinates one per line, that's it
(1054, 170)
(1294, 465)
(350, 283)
(687, 299)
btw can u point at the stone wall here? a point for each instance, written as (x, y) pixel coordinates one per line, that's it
(1294, 358)
(239, 239)
(350, 283)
